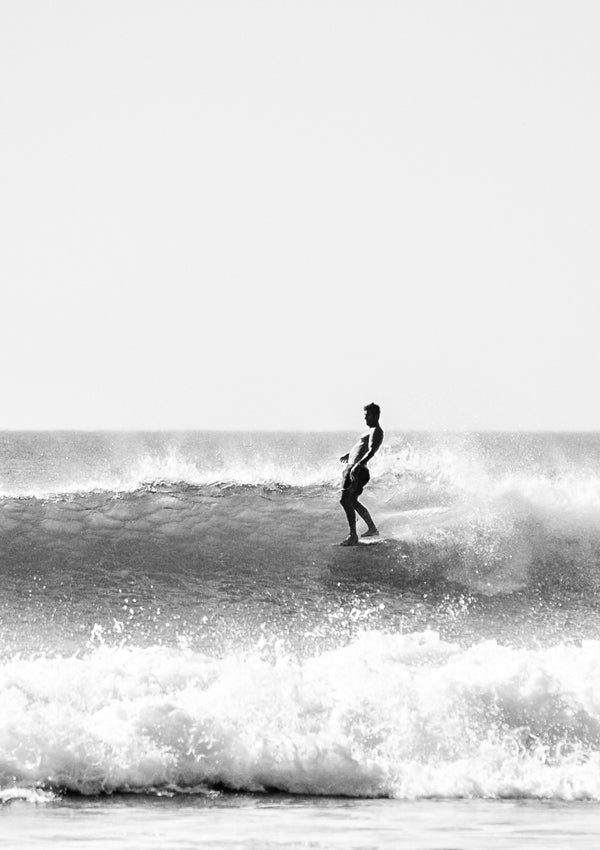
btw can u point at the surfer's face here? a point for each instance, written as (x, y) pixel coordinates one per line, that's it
(370, 418)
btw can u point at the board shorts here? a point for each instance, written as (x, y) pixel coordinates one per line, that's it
(355, 484)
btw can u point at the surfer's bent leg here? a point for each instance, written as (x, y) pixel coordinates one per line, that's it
(364, 514)
(348, 502)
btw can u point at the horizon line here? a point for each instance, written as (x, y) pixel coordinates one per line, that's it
(151, 430)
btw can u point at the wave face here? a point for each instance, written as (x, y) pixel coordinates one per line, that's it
(175, 618)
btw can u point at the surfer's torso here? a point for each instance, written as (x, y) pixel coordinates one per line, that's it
(372, 437)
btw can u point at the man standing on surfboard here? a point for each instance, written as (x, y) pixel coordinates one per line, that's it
(356, 475)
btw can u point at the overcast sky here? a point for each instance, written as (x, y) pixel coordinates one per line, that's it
(267, 214)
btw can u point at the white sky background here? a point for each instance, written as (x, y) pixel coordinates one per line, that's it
(267, 214)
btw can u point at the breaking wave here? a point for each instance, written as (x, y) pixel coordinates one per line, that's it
(514, 532)
(405, 716)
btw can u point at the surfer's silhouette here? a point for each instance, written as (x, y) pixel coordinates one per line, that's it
(356, 475)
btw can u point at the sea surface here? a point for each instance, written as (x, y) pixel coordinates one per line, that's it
(187, 658)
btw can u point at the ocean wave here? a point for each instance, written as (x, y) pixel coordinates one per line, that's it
(523, 534)
(405, 474)
(405, 716)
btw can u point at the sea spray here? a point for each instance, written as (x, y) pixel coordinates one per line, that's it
(404, 716)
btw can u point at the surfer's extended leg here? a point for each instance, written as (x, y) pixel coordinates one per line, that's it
(364, 514)
(348, 502)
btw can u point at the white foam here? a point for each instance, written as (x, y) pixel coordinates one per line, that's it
(389, 715)
(17, 794)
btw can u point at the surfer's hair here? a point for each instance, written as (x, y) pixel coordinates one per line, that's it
(373, 408)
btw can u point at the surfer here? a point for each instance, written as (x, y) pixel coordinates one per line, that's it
(356, 475)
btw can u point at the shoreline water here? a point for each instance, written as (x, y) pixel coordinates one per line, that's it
(252, 823)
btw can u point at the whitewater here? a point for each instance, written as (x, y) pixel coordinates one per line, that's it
(182, 642)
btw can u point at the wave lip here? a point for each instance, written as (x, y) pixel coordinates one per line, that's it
(173, 471)
(403, 716)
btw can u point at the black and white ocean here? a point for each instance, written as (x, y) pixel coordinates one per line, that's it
(177, 625)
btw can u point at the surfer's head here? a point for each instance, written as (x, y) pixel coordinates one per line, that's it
(372, 413)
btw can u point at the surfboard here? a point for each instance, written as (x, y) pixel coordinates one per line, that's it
(367, 541)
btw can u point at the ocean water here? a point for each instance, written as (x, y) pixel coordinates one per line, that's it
(186, 657)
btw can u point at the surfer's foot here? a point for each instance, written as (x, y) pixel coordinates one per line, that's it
(371, 532)
(351, 540)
